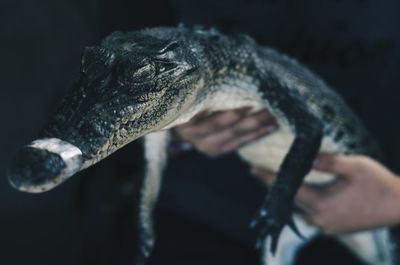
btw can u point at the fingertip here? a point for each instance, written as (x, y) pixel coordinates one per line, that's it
(322, 161)
(340, 164)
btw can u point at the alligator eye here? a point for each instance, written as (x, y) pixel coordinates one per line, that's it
(144, 72)
(167, 53)
(129, 73)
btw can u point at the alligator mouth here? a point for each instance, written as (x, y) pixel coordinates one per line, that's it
(44, 164)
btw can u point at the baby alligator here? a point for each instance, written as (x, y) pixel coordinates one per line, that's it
(143, 83)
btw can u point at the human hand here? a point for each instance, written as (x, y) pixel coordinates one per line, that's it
(366, 197)
(223, 132)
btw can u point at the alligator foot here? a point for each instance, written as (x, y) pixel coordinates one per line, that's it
(270, 221)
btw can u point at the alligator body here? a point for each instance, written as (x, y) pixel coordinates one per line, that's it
(143, 83)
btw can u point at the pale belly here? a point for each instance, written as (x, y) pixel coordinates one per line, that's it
(269, 152)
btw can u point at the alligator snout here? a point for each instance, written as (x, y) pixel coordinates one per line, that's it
(44, 164)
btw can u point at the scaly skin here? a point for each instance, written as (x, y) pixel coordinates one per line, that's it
(140, 82)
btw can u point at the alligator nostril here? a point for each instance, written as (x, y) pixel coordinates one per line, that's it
(35, 168)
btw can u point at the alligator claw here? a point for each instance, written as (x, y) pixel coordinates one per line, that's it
(271, 221)
(270, 228)
(295, 229)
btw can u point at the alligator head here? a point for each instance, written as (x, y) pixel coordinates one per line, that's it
(131, 85)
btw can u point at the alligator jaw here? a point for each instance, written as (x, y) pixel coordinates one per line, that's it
(44, 164)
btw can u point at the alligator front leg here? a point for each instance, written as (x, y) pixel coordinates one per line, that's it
(276, 211)
(277, 208)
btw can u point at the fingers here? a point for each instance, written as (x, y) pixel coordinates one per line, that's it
(342, 165)
(242, 132)
(308, 197)
(224, 132)
(203, 125)
(337, 164)
(343, 206)
(247, 137)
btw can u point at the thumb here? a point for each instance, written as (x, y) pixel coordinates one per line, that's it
(341, 165)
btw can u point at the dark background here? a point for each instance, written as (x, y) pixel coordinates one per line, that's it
(353, 44)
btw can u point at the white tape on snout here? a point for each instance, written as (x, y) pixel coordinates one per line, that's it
(70, 154)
